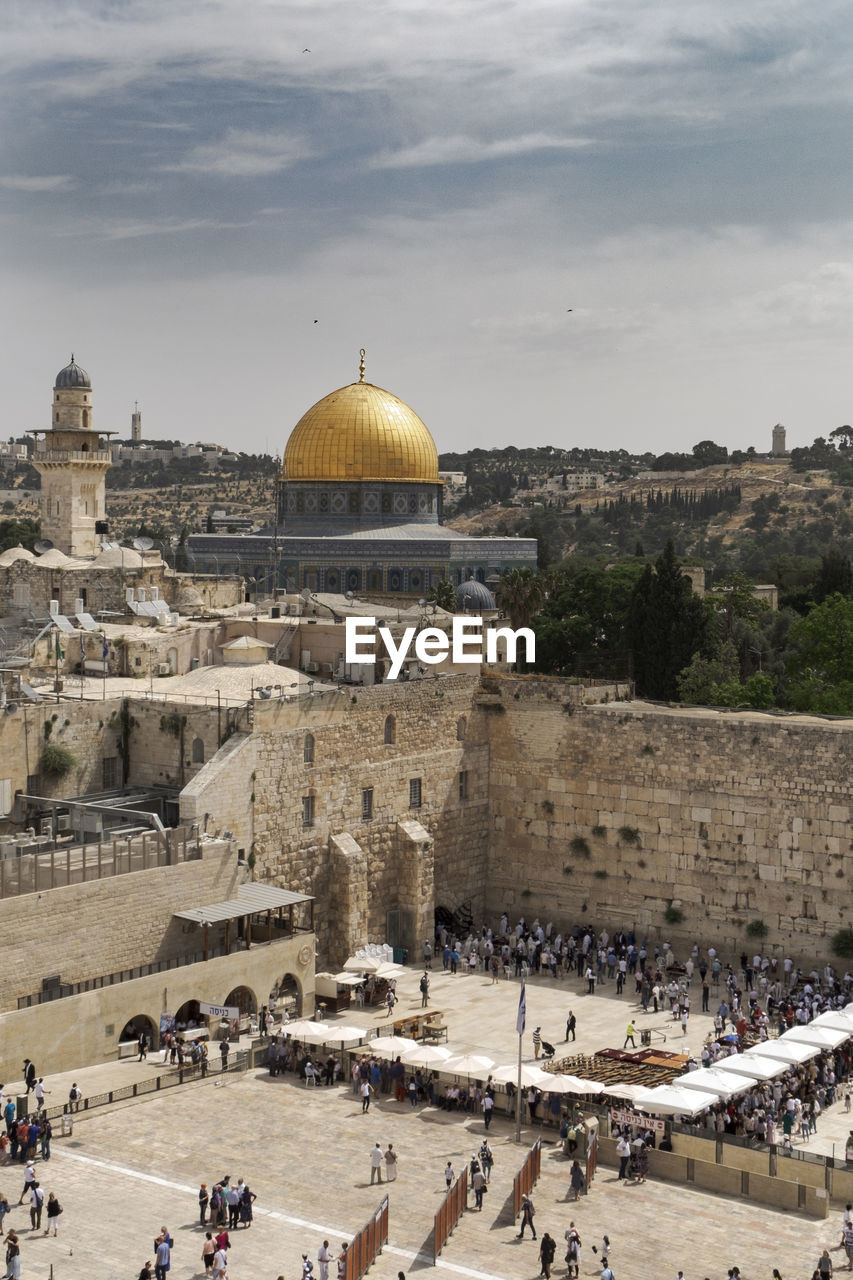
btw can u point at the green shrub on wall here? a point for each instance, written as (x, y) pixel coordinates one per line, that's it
(55, 761)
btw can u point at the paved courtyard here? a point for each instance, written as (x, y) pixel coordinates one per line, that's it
(136, 1165)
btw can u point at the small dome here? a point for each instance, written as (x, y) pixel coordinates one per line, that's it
(118, 558)
(54, 559)
(72, 376)
(473, 596)
(15, 553)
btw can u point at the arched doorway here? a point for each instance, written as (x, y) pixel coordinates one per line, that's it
(189, 1016)
(134, 1027)
(244, 999)
(287, 994)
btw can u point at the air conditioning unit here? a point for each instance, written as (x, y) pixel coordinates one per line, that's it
(141, 594)
(163, 669)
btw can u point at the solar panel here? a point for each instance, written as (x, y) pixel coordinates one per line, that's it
(87, 622)
(64, 624)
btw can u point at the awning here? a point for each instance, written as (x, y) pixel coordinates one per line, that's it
(251, 899)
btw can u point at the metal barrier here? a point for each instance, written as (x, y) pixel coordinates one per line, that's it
(367, 1244)
(238, 1061)
(449, 1212)
(525, 1179)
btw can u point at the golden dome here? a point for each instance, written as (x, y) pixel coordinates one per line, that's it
(361, 432)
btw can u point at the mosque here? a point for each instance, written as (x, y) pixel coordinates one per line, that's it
(359, 509)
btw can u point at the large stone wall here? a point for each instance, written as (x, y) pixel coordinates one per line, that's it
(728, 817)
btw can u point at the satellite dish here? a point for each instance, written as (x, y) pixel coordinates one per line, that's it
(44, 545)
(142, 544)
(306, 594)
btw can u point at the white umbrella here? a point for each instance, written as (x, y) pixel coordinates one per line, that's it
(303, 1027)
(427, 1055)
(629, 1091)
(760, 1068)
(534, 1076)
(783, 1050)
(669, 1100)
(723, 1083)
(345, 979)
(387, 970)
(821, 1037)
(571, 1084)
(363, 964)
(468, 1064)
(345, 1033)
(391, 1046)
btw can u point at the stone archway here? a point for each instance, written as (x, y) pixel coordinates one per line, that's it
(244, 999)
(135, 1026)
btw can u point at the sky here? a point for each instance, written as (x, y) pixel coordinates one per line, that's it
(552, 222)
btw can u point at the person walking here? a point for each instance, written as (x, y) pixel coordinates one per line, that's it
(29, 1074)
(163, 1256)
(13, 1257)
(45, 1133)
(365, 1089)
(629, 1035)
(571, 1023)
(376, 1161)
(478, 1184)
(449, 1175)
(576, 1180)
(537, 1041)
(224, 1050)
(573, 1251)
(390, 1164)
(527, 1213)
(36, 1205)
(547, 1249)
(208, 1249)
(54, 1209)
(220, 1263)
(488, 1105)
(424, 989)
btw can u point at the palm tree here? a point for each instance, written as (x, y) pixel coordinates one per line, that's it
(520, 594)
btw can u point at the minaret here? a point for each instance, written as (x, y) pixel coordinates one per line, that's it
(72, 460)
(136, 424)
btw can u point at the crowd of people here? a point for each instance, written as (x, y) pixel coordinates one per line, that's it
(26, 1137)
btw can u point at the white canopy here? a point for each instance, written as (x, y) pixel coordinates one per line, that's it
(427, 1055)
(823, 1037)
(759, 1068)
(468, 1064)
(723, 1083)
(305, 1028)
(344, 1033)
(834, 1018)
(784, 1049)
(391, 1046)
(670, 1100)
(531, 1076)
(570, 1084)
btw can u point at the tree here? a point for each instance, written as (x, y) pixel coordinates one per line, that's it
(443, 594)
(520, 594)
(820, 660)
(836, 575)
(667, 624)
(706, 452)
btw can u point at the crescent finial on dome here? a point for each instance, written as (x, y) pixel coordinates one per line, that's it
(361, 366)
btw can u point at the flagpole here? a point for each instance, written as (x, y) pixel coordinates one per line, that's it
(519, 1026)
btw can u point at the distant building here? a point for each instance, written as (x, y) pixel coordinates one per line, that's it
(779, 449)
(136, 424)
(8, 449)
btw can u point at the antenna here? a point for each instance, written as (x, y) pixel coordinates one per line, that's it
(142, 544)
(44, 545)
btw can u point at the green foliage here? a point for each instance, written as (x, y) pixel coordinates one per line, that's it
(600, 874)
(630, 835)
(14, 532)
(579, 847)
(172, 724)
(673, 915)
(667, 624)
(757, 929)
(842, 944)
(520, 594)
(715, 682)
(443, 594)
(820, 661)
(56, 761)
(599, 831)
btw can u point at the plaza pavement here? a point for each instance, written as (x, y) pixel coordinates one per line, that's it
(130, 1167)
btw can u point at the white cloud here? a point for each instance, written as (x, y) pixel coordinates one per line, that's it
(460, 149)
(242, 154)
(25, 182)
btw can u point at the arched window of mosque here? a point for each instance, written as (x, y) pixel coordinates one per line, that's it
(461, 726)
(198, 751)
(390, 731)
(308, 749)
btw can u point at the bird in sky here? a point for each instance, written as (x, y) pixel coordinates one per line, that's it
(306, 50)
(316, 321)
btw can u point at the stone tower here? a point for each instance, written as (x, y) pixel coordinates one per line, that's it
(136, 424)
(778, 449)
(72, 460)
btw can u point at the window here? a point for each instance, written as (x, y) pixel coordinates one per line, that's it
(463, 784)
(461, 726)
(110, 773)
(308, 749)
(367, 803)
(198, 751)
(414, 793)
(390, 731)
(6, 797)
(307, 811)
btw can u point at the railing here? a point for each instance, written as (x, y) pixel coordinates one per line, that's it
(34, 872)
(73, 455)
(525, 1179)
(237, 1061)
(449, 1212)
(367, 1245)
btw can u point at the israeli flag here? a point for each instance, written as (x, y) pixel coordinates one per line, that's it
(522, 1011)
